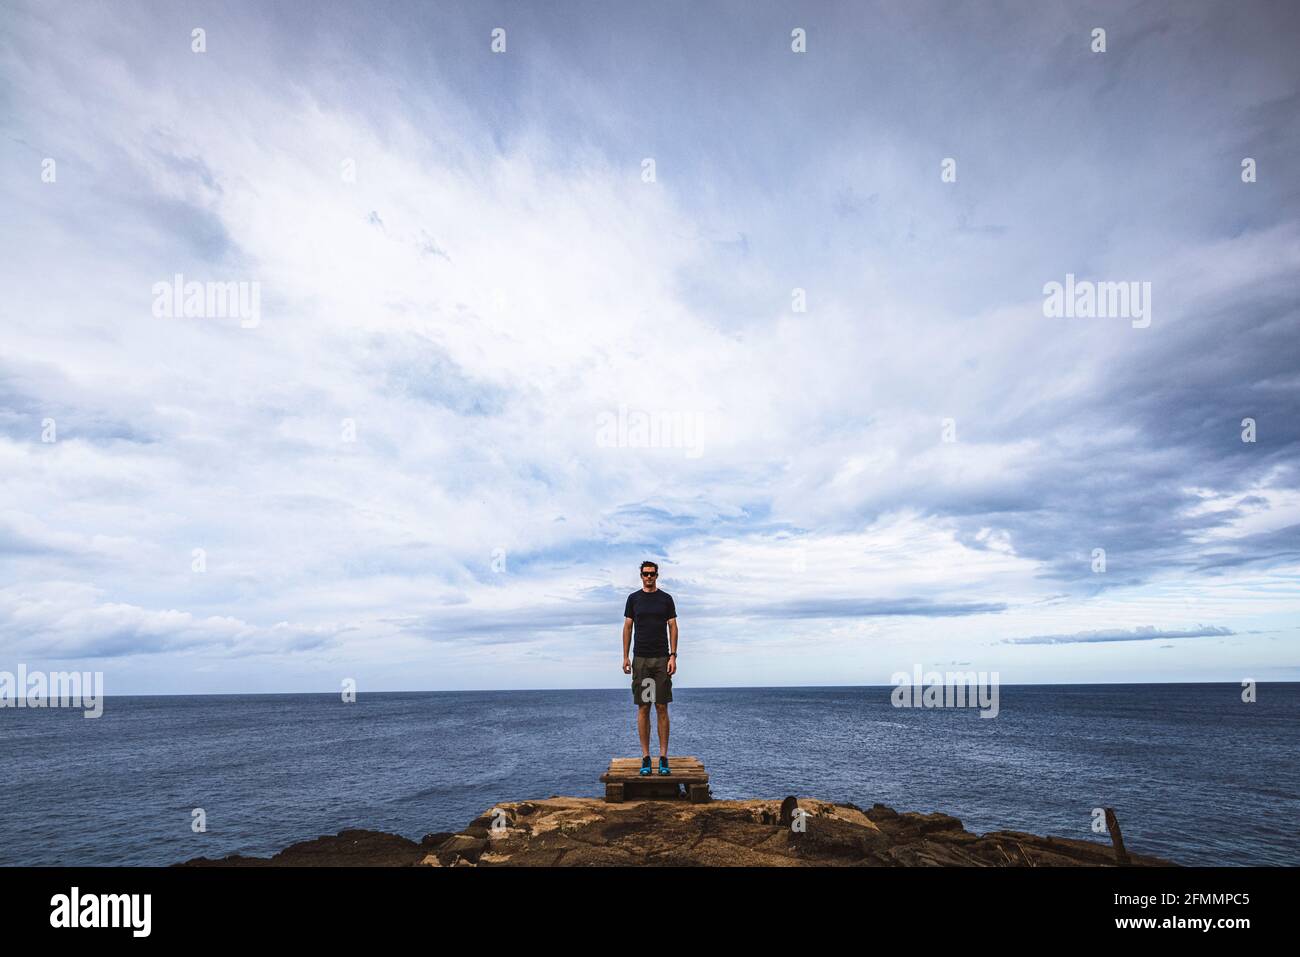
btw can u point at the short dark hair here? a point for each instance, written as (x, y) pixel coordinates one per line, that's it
(651, 564)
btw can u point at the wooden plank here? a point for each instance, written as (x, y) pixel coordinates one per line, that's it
(637, 775)
(666, 778)
(654, 769)
(636, 768)
(674, 772)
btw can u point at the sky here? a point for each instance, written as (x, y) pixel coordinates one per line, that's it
(645, 283)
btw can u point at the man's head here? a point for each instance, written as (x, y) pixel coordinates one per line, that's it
(649, 575)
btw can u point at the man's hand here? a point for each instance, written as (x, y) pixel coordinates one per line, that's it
(672, 665)
(627, 667)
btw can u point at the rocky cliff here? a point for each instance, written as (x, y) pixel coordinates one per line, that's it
(576, 832)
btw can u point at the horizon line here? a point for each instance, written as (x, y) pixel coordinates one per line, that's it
(620, 690)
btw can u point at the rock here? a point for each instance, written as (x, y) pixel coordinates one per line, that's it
(587, 832)
(788, 807)
(349, 848)
(929, 823)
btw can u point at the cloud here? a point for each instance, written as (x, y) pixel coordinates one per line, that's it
(68, 620)
(1140, 633)
(407, 449)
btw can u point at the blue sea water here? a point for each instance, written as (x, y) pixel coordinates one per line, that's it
(1195, 774)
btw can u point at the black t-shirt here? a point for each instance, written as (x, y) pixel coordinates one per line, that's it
(650, 611)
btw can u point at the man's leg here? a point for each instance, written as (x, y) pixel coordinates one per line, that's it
(643, 727)
(663, 730)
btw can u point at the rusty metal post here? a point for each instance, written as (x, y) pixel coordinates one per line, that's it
(1116, 838)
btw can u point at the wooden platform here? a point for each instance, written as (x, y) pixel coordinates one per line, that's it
(625, 782)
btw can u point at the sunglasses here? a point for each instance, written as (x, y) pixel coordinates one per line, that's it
(649, 574)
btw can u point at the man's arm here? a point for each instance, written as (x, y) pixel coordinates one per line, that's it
(672, 644)
(627, 644)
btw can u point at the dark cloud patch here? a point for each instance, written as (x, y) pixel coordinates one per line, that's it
(608, 610)
(1265, 549)
(14, 543)
(1141, 633)
(429, 246)
(414, 367)
(189, 227)
(1120, 465)
(190, 167)
(32, 392)
(873, 608)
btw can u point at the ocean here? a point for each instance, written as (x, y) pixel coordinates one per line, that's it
(1195, 775)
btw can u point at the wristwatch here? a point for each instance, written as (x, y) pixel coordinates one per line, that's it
(672, 654)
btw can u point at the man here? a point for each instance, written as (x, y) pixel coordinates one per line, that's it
(653, 664)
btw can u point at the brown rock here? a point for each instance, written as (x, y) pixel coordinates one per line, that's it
(587, 832)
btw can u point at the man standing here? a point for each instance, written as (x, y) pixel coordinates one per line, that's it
(653, 663)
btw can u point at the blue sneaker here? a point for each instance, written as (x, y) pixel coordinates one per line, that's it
(663, 765)
(645, 764)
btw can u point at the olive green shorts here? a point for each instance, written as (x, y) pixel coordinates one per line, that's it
(651, 683)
